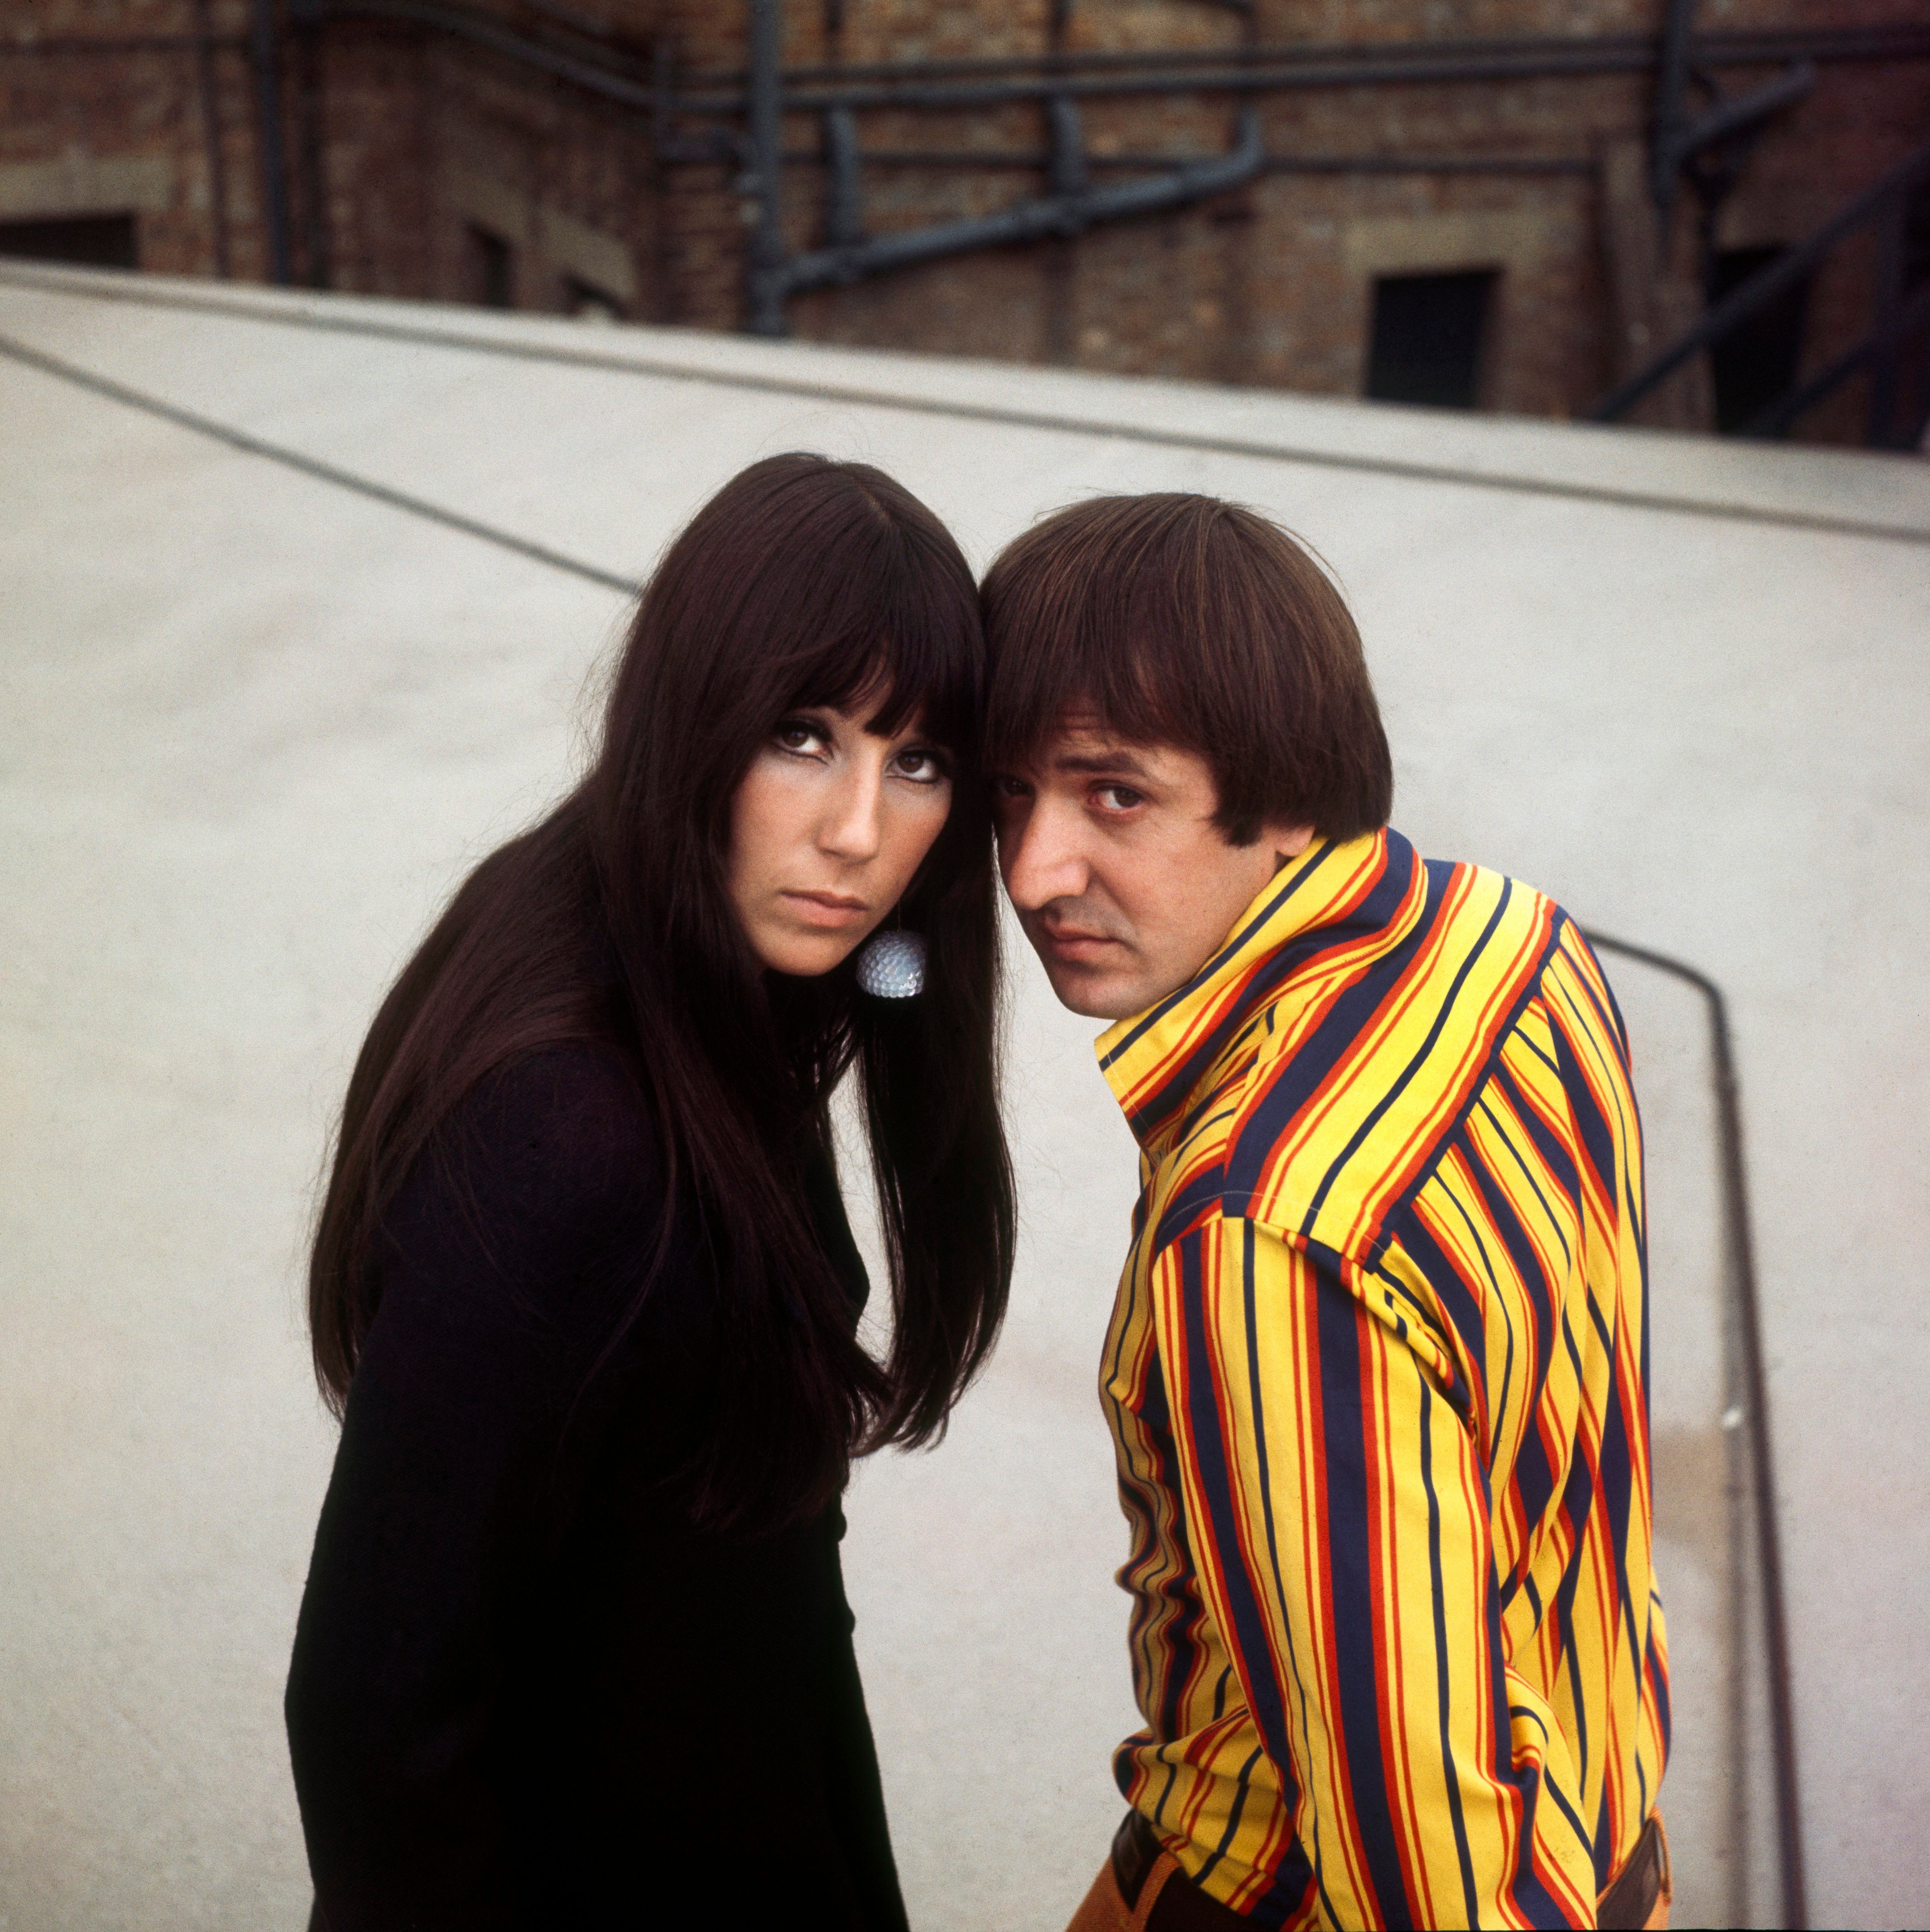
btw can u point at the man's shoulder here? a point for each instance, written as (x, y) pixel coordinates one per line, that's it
(1353, 1087)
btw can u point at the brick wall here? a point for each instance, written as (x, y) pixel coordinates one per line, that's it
(91, 134)
(416, 161)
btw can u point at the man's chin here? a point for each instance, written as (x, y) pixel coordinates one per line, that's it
(1094, 994)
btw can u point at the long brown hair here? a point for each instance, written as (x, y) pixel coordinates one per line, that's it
(803, 582)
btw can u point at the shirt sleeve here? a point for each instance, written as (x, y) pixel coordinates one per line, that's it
(1338, 1507)
(502, 1279)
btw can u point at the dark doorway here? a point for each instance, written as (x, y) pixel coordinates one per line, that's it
(93, 240)
(1428, 332)
(1756, 362)
(492, 269)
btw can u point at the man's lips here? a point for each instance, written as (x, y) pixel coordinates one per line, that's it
(1073, 942)
(829, 910)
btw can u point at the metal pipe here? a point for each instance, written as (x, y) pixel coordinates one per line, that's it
(1065, 149)
(1619, 52)
(1256, 77)
(1672, 110)
(1795, 1913)
(1886, 301)
(844, 203)
(311, 150)
(764, 259)
(1034, 220)
(602, 73)
(1746, 110)
(610, 73)
(60, 46)
(211, 135)
(275, 162)
(1718, 48)
(1743, 302)
(1035, 161)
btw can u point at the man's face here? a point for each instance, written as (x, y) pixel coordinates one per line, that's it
(1124, 884)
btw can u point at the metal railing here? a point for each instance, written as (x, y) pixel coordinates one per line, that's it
(1739, 1245)
(1894, 349)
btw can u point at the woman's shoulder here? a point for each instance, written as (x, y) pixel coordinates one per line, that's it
(571, 1124)
(549, 1161)
(528, 1214)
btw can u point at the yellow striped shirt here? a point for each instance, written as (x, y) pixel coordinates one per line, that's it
(1377, 1379)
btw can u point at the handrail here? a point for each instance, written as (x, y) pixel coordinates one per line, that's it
(1741, 1245)
(1775, 417)
(1767, 284)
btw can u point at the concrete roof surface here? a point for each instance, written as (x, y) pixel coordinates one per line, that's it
(262, 710)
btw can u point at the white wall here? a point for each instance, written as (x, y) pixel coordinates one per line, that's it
(254, 727)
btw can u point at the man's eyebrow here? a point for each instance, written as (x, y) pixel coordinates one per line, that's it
(1100, 762)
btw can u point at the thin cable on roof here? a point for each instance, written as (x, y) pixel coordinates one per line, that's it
(309, 465)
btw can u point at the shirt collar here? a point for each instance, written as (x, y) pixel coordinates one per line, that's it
(1362, 893)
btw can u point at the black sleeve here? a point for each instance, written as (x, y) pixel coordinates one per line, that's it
(511, 1253)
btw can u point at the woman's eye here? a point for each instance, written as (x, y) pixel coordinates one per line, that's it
(798, 734)
(920, 765)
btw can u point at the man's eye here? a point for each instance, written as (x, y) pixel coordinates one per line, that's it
(1010, 788)
(1119, 798)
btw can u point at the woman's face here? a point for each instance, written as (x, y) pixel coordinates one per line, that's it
(827, 828)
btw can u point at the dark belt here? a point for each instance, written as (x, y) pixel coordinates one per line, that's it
(1626, 1904)
(1182, 1906)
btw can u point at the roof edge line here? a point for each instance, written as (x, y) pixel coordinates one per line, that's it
(294, 309)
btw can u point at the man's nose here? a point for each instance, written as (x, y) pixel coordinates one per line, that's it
(852, 828)
(1042, 859)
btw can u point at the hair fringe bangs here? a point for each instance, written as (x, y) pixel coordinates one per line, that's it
(898, 634)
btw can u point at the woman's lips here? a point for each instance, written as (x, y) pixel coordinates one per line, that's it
(828, 911)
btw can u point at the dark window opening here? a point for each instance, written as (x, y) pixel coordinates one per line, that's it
(589, 303)
(1428, 333)
(93, 240)
(492, 269)
(1916, 239)
(1756, 362)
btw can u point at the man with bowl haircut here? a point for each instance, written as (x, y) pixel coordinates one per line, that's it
(1377, 1373)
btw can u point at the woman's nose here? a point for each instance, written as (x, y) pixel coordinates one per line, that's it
(852, 828)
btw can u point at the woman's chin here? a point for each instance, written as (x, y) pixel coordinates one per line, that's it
(810, 959)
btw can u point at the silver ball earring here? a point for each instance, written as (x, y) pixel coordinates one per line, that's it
(891, 966)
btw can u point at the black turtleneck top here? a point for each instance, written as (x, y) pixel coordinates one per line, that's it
(526, 1691)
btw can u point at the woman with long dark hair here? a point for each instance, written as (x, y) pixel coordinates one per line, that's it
(575, 1651)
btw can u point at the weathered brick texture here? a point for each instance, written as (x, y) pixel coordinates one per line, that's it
(422, 165)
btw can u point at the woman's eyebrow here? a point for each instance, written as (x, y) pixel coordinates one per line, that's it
(917, 728)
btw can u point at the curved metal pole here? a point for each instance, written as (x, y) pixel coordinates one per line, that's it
(1741, 1249)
